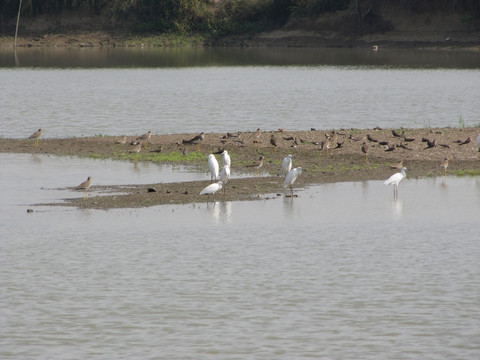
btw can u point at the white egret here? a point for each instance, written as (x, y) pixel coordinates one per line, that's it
(213, 167)
(291, 177)
(226, 158)
(477, 142)
(85, 186)
(286, 164)
(224, 176)
(211, 189)
(395, 179)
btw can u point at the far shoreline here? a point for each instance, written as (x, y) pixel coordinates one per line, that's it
(284, 39)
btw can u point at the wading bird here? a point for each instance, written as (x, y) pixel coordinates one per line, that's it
(211, 189)
(256, 136)
(395, 179)
(85, 186)
(145, 138)
(291, 177)
(365, 150)
(213, 167)
(257, 164)
(195, 140)
(36, 135)
(286, 165)
(444, 165)
(273, 141)
(226, 158)
(397, 165)
(224, 176)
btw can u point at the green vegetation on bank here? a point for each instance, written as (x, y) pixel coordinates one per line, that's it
(216, 18)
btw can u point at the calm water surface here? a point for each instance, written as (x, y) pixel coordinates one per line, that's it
(89, 91)
(342, 271)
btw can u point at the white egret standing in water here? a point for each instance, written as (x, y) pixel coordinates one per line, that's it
(291, 177)
(395, 179)
(213, 167)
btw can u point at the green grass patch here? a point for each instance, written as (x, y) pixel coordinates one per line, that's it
(467, 172)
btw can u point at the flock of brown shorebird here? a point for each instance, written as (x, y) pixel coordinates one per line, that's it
(290, 175)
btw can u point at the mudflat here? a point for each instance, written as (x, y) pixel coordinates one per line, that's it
(325, 156)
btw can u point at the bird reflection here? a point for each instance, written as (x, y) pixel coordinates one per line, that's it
(36, 158)
(288, 205)
(221, 210)
(397, 207)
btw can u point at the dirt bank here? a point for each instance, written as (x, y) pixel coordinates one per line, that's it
(343, 160)
(394, 27)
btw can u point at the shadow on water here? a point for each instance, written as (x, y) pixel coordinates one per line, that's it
(193, 57)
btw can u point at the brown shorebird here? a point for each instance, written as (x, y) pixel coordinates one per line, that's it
(257, 164)
(397, 165)
(394, 133)
(122, 140)
(273, 141)
(444, 165)
(85, 186)
(36, 135)
(256, 136)
(136, 149)
(145, 138)
(195, 140)
(365, 150)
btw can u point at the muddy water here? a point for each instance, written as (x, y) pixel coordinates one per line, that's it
(342, 271)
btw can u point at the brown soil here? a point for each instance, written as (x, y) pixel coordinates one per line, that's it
(345, 163)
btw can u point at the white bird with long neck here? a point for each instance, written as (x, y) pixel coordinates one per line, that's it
(211, 189)
(224, 176)
(291, 177)
(286, 164)
(213, 167)
(395, 179)
(226, 158)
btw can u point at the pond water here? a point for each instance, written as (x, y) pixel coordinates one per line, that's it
(343, 271)
(222, 92)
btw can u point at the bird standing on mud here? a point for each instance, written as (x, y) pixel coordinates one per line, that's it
(85, 186)
(365, 150)
(145, 138)
(195, 140)
(36, 135)
(211, 189)
(213, 167)
(273, 141)
(224, 176)
(286, 165)
(257, 164)
(226, 158)
(256, 136)
(444, 165)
